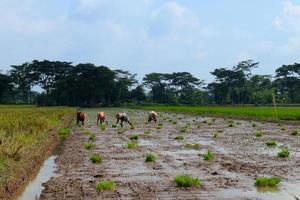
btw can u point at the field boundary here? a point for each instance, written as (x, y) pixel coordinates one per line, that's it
(27, 172)
(220, 115)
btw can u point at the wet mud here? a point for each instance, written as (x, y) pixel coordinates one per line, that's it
(240, 157)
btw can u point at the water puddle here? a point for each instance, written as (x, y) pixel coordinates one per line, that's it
(34, 187)
(285, 191)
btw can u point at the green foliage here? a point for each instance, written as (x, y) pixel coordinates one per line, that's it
(150, 157)
(283, 153)
(64, 133)
(105, 185)
(267, 181)
(263, 113)
(132, 145)
(271, 143)
(134, 137)
(215, 135)
(192, 146)
(209, 155)
(259, 134)
(179, 137)
(186, 181)
(95, 158)
(89, 145)
(92, 137)
(295, 132)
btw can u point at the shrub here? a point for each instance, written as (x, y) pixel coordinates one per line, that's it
(134, 137)
(89, 145)
(283, 153)
(105, 185)
(265, 181)
(95, 158)
(186, 181)
(64, 133)
(259, 134)
(179, 137)
(150, 157)
(192, 146)
(208, 155)
(131, 145)
(271, 143)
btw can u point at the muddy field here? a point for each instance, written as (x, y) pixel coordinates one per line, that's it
(240, 157)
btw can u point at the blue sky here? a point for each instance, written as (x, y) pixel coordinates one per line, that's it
(145, 36)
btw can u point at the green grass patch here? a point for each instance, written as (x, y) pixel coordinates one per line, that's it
(150, 157)
(209, 155)
(271, 143)
(216, 135)
(105, 185)
(267, 181)
(179, 137)
(89, 145)
(64, 133)
(284, 153)
(95, 158)
(186, 181)
(192, 146)
(251, 112)
(295, 132)
(132, 145)
(92, 137)
(134, 137)
(259, 134)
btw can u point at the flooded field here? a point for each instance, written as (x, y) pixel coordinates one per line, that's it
(240, 156)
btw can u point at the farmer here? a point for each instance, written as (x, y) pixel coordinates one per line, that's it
(101, 116)
(81, 116)
(152, 116)
(122, 117)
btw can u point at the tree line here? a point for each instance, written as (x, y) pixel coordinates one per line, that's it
(63, 83)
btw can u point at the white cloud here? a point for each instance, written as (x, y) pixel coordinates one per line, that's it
(289, 18)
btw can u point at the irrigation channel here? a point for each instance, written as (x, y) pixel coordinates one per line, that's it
(239, 158)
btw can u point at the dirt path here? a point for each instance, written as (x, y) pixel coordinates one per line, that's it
(240, 157)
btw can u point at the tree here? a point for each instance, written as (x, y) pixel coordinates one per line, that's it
(5, 87)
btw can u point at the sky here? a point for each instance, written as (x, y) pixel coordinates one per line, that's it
(145, 36)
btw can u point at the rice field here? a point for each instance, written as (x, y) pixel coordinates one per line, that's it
(261, 113)
(26, 134)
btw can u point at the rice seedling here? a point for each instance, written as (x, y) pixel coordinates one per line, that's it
(114, 126)
(253, 124)
(105, 185)
(159, 127)
(150, 157)
(192, 146)
(209, 155)
(220, 130)
(186, 181)
(271, 143)
(283, 128)
(132, 127)
(92, 137)
(64, 133)
(132, 145)
(134, 137)
(87, 132)
(147, 132)
(215, 135)
(179, 137)
(267, 181)
(89, 145)
(284, 153)
(95, 158)
(103, 127)
(295, 132)
(174, 122)
(259, 134)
